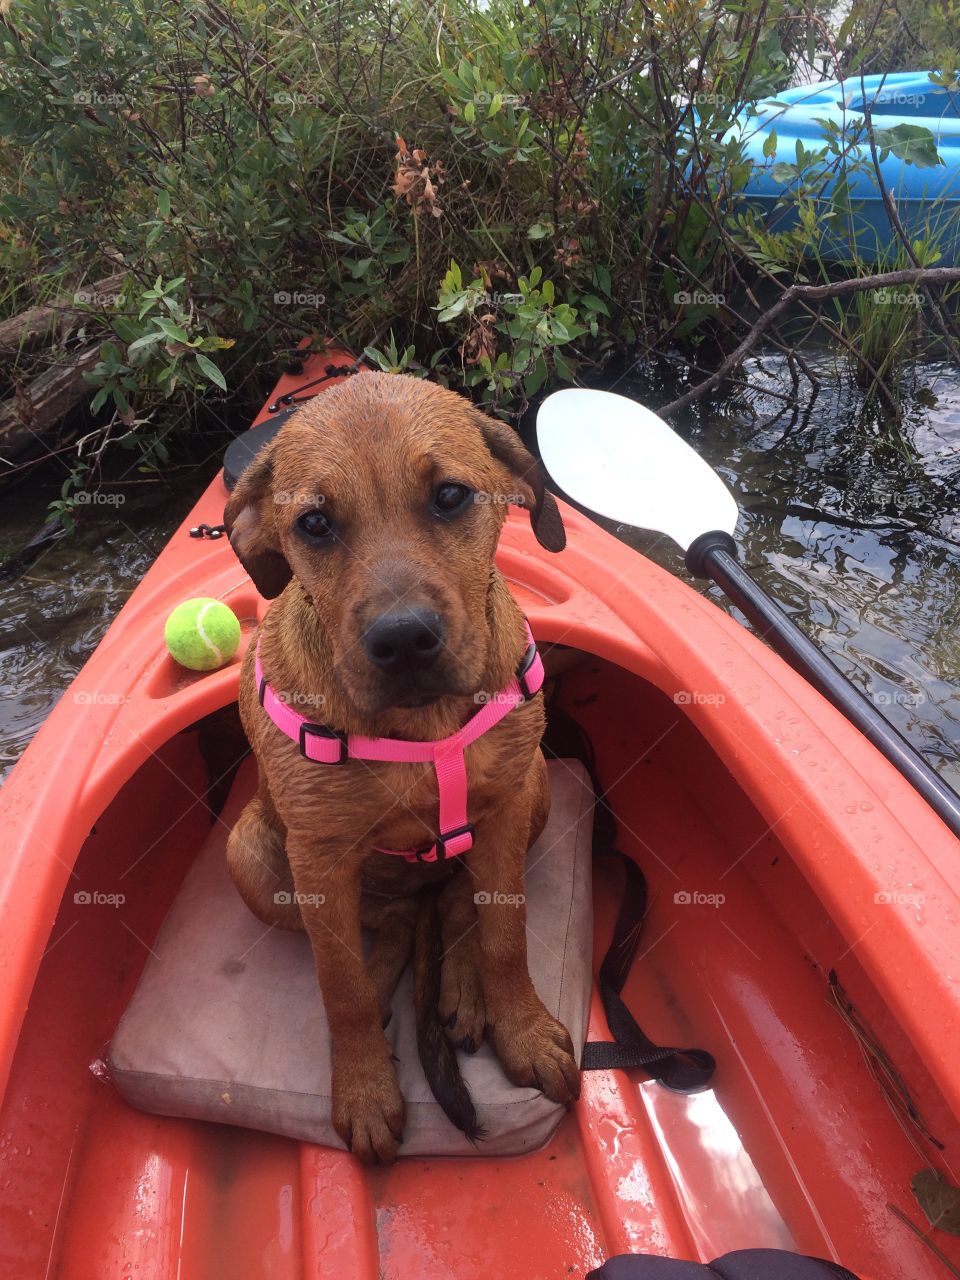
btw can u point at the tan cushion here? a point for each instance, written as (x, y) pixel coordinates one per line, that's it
(227, 1022)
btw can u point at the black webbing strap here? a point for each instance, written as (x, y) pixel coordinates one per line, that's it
(680, 1069)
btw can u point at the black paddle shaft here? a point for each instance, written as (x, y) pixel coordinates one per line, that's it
(714, 555)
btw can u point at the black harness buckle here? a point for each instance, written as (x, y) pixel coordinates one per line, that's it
(441, 845)
(526, 662)
(323, 731)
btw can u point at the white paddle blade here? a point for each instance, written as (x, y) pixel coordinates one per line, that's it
(617, 458)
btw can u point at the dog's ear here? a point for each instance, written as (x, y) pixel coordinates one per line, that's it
(505, 445)
(250, 518)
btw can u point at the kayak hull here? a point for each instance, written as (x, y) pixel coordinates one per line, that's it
(927, 199)
(766, 826)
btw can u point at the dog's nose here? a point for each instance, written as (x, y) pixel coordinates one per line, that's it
(408, 639)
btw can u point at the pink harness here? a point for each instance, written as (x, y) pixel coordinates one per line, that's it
(324, 745)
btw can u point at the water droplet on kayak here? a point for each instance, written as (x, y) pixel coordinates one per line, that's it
(851, 808)
(866, 806)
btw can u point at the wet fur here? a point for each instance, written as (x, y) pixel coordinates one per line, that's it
(372, 450)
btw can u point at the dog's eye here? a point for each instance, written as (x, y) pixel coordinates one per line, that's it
(451, 498)
(316, 525)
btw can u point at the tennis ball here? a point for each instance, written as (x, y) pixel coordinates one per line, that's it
(202, 634)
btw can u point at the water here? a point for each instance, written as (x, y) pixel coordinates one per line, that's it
(56, 610)
(852, 528)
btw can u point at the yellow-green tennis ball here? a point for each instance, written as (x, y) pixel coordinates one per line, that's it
(202, 634)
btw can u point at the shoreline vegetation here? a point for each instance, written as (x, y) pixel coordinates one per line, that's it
(506, 199)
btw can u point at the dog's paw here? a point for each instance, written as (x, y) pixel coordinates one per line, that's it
(536, 1051)
(369, 1113)
(461, 1007)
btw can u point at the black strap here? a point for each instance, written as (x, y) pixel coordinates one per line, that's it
(330, 371)
(680, 1069)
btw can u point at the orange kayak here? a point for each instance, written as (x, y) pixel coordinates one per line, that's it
(804, 927)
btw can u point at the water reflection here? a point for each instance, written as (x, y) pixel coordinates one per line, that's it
(853, 527)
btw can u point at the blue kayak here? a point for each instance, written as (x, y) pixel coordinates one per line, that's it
(927, 195)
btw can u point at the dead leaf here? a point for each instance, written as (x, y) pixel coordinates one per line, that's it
(480, 341)
(938, 1199)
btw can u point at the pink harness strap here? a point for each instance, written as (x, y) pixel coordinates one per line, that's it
(324, 745)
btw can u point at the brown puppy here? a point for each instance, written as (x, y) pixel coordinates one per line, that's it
(374, 517)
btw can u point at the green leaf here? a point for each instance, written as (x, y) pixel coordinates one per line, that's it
(593, 303)
(938, 1199)
(147, 340)
(539, 231)
(171, 330)
(163, 203)
(207, 366)
(770, 144)
(910, 143)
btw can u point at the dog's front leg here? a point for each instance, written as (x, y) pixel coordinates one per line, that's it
(368, 1107)
(533, 1047)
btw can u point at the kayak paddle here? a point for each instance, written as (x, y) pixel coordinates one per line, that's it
(618, 459)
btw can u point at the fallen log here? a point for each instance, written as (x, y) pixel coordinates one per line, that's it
(36, 409)
(54, 319)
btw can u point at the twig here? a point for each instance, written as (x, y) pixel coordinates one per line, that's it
(924, 1238)
(809, 293)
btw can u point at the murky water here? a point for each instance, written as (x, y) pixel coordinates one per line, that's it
(855, 531)
(56, 610)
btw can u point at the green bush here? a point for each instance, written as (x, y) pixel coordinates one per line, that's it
(499, 197)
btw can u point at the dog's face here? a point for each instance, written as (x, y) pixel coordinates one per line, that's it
(384, 497)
